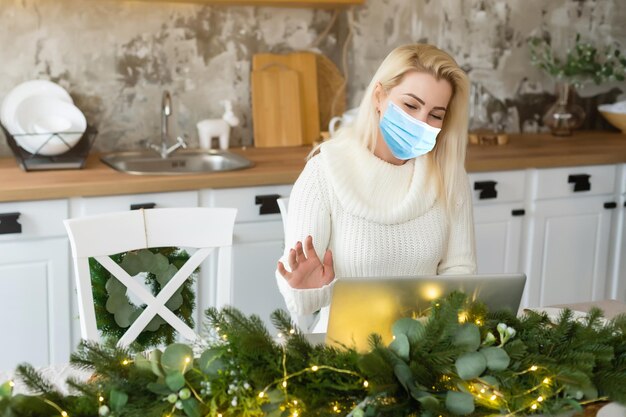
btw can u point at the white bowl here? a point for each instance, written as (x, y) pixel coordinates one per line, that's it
(25, 90)
(48, 126)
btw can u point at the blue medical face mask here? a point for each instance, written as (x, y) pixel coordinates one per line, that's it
(406, 137)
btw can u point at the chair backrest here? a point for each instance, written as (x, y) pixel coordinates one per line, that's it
(283, 203)
(98, 237)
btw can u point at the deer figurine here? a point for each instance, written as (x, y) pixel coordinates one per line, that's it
(220, 128)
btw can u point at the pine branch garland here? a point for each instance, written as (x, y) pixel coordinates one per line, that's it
(459, 360)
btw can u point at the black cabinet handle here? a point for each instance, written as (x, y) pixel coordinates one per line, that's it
(487, 189)
(9, 223)
(610, 205)
(518, 212)
(269, 203)
(580, 181)
(140, 206)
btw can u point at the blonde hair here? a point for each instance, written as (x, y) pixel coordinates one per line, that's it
(448, 155)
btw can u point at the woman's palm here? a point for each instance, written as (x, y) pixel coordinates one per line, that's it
(307, 271)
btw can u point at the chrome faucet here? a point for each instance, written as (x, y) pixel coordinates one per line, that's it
(166, 112)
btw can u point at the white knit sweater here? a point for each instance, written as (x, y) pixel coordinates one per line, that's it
(377, 218)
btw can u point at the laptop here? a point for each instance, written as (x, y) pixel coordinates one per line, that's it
(361, 306)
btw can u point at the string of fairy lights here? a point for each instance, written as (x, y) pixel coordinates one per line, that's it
(483, 392)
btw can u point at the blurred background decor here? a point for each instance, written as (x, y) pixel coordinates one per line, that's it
(580, 65)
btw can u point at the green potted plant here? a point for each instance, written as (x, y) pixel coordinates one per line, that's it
(582, 64)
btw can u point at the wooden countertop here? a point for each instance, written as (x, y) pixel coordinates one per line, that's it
(283, 165)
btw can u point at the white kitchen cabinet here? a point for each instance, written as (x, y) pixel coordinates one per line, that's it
(570, 235)
(34, 284)
(258, 243)
(499, 213)
(618, 252)
(88, 206)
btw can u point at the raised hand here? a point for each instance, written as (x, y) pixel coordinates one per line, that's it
(307, 271)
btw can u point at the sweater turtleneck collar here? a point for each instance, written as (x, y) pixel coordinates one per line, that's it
(371, 188)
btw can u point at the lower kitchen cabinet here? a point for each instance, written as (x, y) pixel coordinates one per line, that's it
(256, 250)
(34, 302)
(570, 249)
(498, 229)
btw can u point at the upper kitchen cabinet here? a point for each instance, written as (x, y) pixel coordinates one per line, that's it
(275, 3)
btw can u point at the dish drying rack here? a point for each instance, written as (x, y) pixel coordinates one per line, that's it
(74, 158)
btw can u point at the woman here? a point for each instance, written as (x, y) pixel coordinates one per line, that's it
(389, 195)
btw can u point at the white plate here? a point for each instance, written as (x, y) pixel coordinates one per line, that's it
(37, 116)
(24, 90)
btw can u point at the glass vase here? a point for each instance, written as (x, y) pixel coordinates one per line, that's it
(564, 116)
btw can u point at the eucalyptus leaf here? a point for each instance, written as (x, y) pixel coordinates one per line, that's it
(177, 357)
(155, 362)
(470, 365)
(497, 358)
(460, 403)
(142, 363)
(175, 381)
(210, 361)
(276, 396)
(429, 402)
(468, 337)
(158, 388)
(411, 328)
(400, 345)
(117, 400)
(404, 375)
(491, 381)
(191, 407)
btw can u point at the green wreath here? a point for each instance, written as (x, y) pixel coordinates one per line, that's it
(114, 310)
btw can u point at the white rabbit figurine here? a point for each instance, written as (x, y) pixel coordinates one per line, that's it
(220, 128)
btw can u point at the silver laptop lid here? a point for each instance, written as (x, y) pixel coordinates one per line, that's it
(361, 306)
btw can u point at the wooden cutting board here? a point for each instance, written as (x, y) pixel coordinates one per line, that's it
(305, 67)
(276, 107)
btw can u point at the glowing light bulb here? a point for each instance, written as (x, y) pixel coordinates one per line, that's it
(101, 398)
(261, 394)
(292, 331)
(478, 322)
(64, 413)
(11, 384)
(314, 368)
(335, 409)
(534, 368)
(539, 398)
(482, 390)
(534, 406)
(125, 362)
(366, 384)
(187, 359)
(284, 384)
(493, 397)
(219, 414)
(295, 413)
(462, 317)
(280, 335)
(546, 380)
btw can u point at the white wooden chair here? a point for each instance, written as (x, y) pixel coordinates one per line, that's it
(100, 236)
(283, 204)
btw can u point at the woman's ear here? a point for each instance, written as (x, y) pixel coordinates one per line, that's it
(379, 95)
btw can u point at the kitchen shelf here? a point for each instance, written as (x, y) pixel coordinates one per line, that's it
(274, 3)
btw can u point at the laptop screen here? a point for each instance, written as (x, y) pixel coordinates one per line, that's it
(361, 306)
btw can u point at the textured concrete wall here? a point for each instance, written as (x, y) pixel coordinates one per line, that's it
(116, 57)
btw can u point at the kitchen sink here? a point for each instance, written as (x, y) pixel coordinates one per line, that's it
(193, 161)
